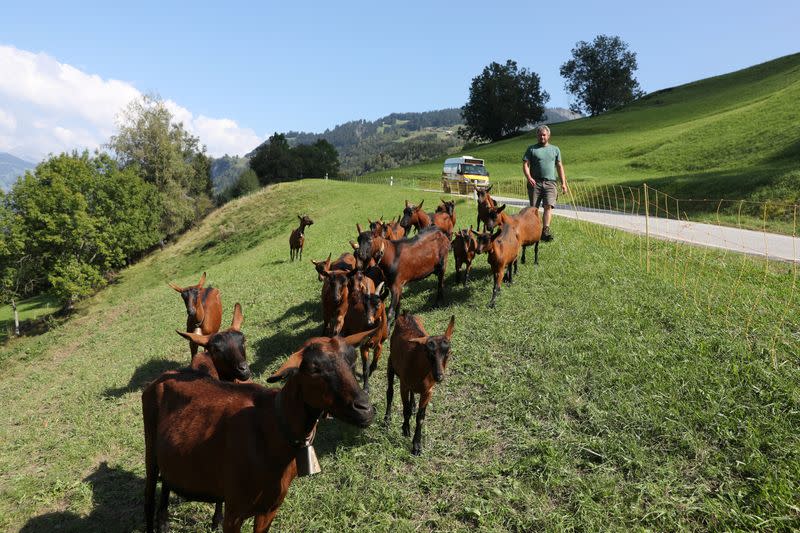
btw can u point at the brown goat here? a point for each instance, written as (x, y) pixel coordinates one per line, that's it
(224, 359)
(406, 260)
(393, 230)
(414, 216)
(346, 261)
(241, 443)
(366, 310)
(298, 239)
(526, 222)
(419, 361)
(203, 309)
(503, 248)
(484, 203)
(465, 247)
(445, 217)
(335, 291)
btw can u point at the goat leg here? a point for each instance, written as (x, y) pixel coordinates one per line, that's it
(216, 520)
(408, 398)
(364, 370)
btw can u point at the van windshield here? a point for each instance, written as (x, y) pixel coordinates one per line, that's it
(478, 170)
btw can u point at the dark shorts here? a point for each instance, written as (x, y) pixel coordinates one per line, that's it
(545, 193)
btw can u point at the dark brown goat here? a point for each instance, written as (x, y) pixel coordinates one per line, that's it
(224, 359)
(298, 239)
(484, 203)
(419, 361)
(526, 222)
(406, 260)
(465, 247)
(503, 248)
(366, 310)
(393, 230)
(203, 309)
(241, 443)
(445, 217)
(414, 216)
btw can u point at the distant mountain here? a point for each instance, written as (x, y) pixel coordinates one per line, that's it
(395, 140)
(12, 167)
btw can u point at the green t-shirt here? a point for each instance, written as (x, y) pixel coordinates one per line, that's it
(542, 160)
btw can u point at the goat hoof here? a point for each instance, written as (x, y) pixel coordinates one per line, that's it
(416, 449)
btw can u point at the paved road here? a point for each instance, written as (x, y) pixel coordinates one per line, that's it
(773, 246)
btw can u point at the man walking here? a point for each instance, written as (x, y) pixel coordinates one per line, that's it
(540, 164)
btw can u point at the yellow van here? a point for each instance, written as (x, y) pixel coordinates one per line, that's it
(463, 174)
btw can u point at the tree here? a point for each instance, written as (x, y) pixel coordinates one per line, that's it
(167, 156)
(70, 221)
(317, 160)
(273, 160)
(502, 100)
(600, 75)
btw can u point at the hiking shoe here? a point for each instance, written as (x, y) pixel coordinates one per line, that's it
(546, 235)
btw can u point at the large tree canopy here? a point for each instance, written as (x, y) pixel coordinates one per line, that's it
(167, 156)
(70, 221)
(276, 160)
(600, 75)
(502, 100)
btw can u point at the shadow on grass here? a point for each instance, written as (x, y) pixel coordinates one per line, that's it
(144, 375)
(297, 324)
(118, 505)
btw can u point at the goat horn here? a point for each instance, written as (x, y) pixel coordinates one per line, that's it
(358, 227)
(175, 287)
(236, 324)
(202, 280)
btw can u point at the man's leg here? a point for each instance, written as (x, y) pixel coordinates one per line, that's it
(546, 218)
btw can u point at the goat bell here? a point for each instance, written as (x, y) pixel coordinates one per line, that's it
(307, 462)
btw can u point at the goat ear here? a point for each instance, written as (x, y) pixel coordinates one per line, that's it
(497, 233)
(175, 287)
(288, 367)
(298, 216)
(354, 245)
(369, 221)
(359, 338)
(501, 208)
(196, 338)
(420, 205)
(202, 280)
(236, 324)
(489, 188)
(419, 340)
(406, 203)
(449, 332)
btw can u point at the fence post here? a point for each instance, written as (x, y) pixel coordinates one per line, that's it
(647, 227)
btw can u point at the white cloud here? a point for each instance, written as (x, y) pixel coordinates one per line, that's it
(55, 107)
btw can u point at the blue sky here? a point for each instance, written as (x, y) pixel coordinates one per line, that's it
(238, 73)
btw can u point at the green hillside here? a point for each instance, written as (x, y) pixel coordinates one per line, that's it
(595, 397)
(735, 136)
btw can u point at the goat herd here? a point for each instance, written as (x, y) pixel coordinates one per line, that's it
(213, 435)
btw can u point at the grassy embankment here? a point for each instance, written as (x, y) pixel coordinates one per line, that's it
(732, 137)
(595, 397)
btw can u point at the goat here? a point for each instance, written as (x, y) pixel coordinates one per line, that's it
(224, 359)
(503, 247)
(526, 222)
(394, 231)
(419, 361)
(484, 203)
(243, 443)
(414, 216)
(298, 239)
(465, 247)
(366, 310)
(406, 260)
(346, 261)
(335, 290)
(444, 217)
(203, 309)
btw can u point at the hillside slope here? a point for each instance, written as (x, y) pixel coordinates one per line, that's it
(12, 167)
(595, 397)
(735, 136)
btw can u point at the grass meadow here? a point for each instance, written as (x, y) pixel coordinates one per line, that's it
(594, 397)
(734, 137)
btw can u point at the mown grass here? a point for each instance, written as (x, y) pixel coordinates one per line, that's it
(595, 397)
(30, 309)
(732, 137)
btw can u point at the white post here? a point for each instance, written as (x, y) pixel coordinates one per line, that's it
(391, 181)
